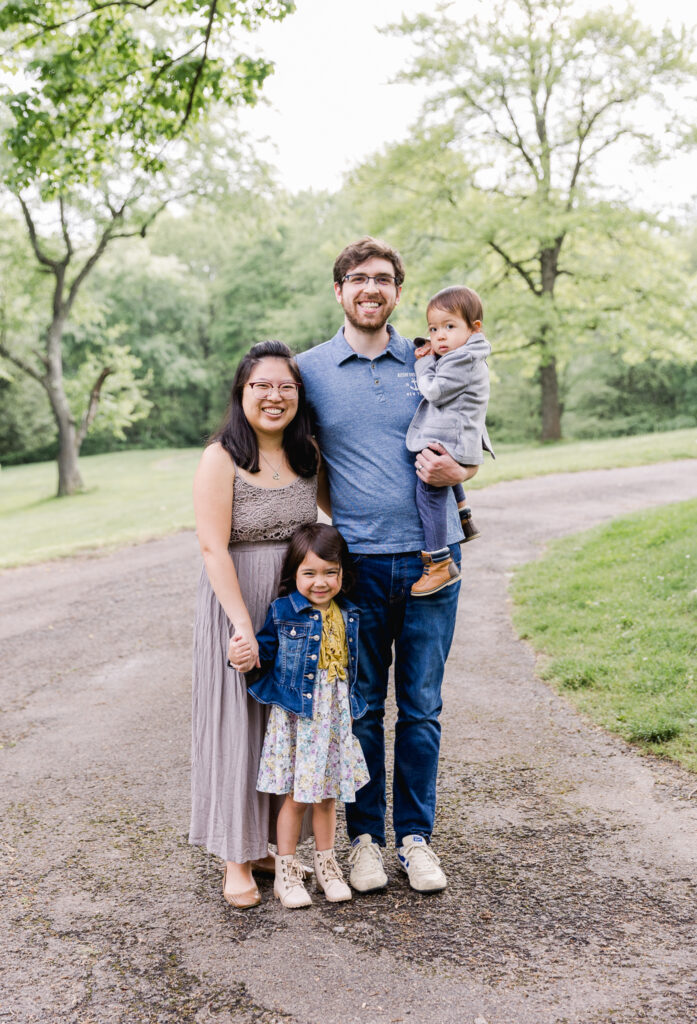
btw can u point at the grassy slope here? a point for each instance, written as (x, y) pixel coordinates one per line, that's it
(614, 612)
(136, 495)
(130, 496)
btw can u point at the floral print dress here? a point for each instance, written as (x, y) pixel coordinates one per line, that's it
(317, 758)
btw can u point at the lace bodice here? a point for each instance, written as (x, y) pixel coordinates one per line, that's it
(271, 513)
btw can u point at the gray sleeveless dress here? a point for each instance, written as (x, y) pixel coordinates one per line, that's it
(228, 816)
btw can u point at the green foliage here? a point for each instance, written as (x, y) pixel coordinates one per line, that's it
(613, 613)
(102, 124)
(500, 185)
(158, 309)
(122, 398)
(116, 82)
(27, 428)
(608, 397)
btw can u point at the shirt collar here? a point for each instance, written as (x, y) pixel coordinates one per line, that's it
(396, 347)
(301, 604)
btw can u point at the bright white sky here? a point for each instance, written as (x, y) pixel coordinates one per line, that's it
(332, 104)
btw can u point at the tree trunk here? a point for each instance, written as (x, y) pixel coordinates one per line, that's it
(549, 383)
(551, 406)
(69, 478)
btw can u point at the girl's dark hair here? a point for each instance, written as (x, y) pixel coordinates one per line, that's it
(327, 543)
(238, 438)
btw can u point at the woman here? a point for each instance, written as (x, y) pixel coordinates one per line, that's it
(255, 484)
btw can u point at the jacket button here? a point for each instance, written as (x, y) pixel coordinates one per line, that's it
(310, 675)
(308, 696)
(315, 617)
(350, 619)
(315, 637)
(313, 657)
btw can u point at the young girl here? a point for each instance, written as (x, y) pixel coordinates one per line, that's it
(453, 378)
(307, 669)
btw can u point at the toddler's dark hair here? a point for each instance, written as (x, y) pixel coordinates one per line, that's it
(463, 302)
(327, 543)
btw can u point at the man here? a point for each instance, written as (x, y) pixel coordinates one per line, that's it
(362, 390)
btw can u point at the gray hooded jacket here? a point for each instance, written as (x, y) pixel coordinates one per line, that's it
(453, 410)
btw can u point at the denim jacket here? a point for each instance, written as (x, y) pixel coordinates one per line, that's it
(289, 643)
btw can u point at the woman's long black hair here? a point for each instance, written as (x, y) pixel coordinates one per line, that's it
(239, 439)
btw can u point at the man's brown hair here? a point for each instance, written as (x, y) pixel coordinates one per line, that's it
(367, 248)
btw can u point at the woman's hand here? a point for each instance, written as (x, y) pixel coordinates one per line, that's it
(243, 652)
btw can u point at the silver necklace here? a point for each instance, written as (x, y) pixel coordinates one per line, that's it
(276, 470)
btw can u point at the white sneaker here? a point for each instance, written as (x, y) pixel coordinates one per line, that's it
(288, 886)
(419, 862)
(365, 858)
(329, 877)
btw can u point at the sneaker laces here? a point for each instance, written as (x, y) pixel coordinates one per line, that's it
(370, 849)
(413, 849)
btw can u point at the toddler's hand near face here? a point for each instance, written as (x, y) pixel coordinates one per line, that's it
(423, 347)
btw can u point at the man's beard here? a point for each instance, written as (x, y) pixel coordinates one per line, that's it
(374, 326)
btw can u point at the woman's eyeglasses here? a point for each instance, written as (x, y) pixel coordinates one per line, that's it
(262, 388)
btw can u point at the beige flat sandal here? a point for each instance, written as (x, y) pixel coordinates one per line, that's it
(241, 900)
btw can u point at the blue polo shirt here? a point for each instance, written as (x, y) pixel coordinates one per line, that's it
(361, 409)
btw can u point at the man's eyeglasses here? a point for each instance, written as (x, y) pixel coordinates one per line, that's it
(262, 388)
(381, 280)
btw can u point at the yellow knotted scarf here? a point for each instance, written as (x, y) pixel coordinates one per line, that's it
(333, 651)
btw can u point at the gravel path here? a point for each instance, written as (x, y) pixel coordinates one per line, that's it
(572, 859)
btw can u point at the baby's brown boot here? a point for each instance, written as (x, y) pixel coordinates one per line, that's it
(436, 575)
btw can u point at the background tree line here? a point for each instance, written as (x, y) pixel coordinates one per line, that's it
(589, 302)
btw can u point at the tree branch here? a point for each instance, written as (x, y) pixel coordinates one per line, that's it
(519, 144)
(21, 365)
(96, 9)
(515, 265)
(41, 256)
(91, 411)
(87, 266)
(64, 228)
(199, 70)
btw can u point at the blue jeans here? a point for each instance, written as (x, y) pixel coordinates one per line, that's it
(432, 505)
(421, 629)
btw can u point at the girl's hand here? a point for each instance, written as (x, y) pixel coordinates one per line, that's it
(243, 652)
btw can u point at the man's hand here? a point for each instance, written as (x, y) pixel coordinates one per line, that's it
(423, 350)
(440, 469)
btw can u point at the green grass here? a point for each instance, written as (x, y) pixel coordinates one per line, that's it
(130, 496)
(136, 495)
(614, 613)
(514, 462)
